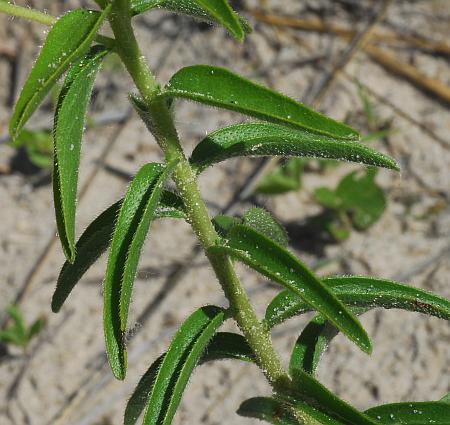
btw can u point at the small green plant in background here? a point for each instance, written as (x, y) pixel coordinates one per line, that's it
(357, 202)
(38, 146)
(18, 333)
(282, 127)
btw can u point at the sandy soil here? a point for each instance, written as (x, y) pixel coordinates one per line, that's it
(64, 380)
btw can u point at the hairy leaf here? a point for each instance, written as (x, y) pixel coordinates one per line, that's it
(262, 221)
(68, 39)
(316, 336)
(67, 132)
(96, 239)
(170, 206)
(135, 216)
(215, 12)
(92, 244)
(222, 346)
(222, 88)
(223, 223)
(360, 291)
(266, 139)
(138, 400)
(412, 413)
(227, 345)
(180, 360)
(313, 392)
(279, 265)
(267, 409)
(277, 412)
(310, 345)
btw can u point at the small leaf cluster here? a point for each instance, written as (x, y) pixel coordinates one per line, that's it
(357, 202)
(18, 333)
(282, 127)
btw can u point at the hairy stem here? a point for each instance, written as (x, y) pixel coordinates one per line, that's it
(163, 129)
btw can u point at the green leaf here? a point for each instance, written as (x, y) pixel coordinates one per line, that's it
(91, 245)
(138, 400)
(266, 139)
(67, 133)
(221, 11)
(223, 223)
(284, 178)
(365, 292)
(36, 328)
(68, 39)
(227, 345)
(262, 221)
(313, 392)
(96, 239)
(278, 412)
(267, 409)
(16, 316)
(180, 360)
(214, 12)
(12, 336)
(222, 88)
(310, 345)
(170, 206)
(38, 145)
(327, 198)
(359, 194)
(222, 346)
(445, 399)
(136, 214)
(279, 265)
(412, 413)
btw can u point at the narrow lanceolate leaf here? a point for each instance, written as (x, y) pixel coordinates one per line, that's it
(221, 11)
(222, 346)
(96, 239)
(91, 245)
(279, 413)
(227, 345)
(138, 400)
(265, 223)
(313, 392)
(266, 139)
(279, 265)
(67, 40)
(214, 12)
(412, 413)
(310, 345)
(67, 132)
(136, 213)
(267, 409)
(224, 89)
(370, 293)
(180, 360)
(360, 291)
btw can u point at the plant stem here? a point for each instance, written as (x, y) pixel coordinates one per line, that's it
(163, 128)
(42, 18)
(26, 13)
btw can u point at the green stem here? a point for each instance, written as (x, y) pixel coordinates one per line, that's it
(26, 13)
(42, 18)
(163, 129)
